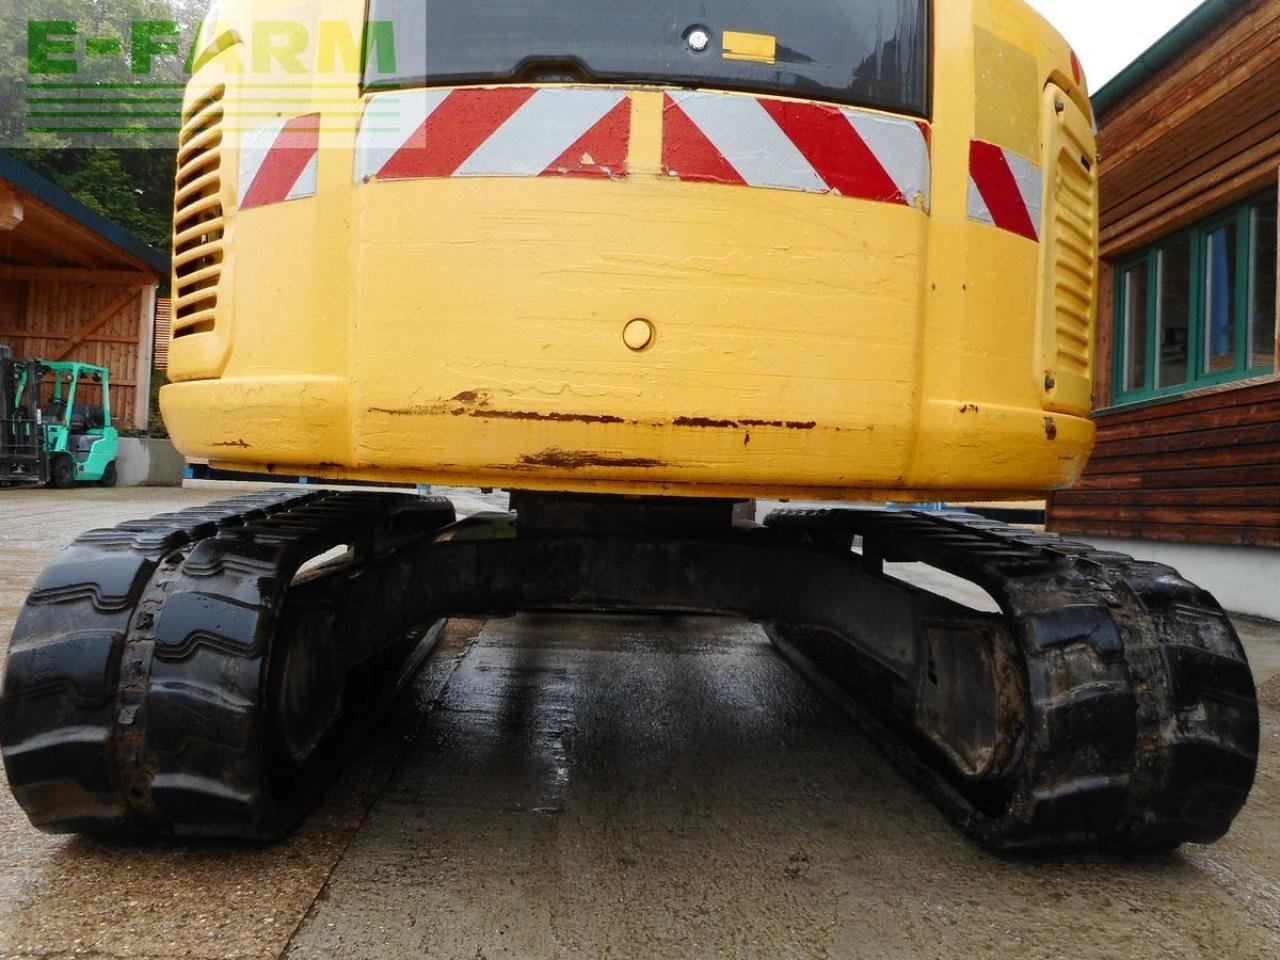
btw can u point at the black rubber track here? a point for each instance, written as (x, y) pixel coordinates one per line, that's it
(65, 692)
(1142, 722)
(137, 698)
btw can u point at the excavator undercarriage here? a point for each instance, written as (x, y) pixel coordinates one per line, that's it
(204, 673)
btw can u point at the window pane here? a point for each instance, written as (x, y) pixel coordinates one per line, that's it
(1135, 327)
(1219, 300)
(873, 52)
(1173, 312)
(1262, 285)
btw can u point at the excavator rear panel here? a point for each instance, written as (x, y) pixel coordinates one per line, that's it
(844, 250)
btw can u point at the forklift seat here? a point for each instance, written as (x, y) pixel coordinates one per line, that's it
(86, 417)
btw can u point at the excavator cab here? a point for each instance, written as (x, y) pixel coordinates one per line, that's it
(638, 264)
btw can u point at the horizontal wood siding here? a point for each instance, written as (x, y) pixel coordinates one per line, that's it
(164, 332)
(1201, 135)
(1200, 469)
(1190, 142)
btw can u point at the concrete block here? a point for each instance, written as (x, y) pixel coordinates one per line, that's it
(149, 463)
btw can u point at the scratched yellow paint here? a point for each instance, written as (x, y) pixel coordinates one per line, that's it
(644, 154)
(470, 331)
(757, 47)
(1007, 105)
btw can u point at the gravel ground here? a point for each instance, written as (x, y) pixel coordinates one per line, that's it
(637, 787)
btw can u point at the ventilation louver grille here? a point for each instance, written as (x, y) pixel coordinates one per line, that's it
(198, 217)
(1075, 264)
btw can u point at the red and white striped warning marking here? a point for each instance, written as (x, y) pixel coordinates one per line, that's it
(788, 145)
(498, 132)
(280, 162)
(1004, 190)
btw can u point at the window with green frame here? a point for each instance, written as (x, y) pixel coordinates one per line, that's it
(1199, 307)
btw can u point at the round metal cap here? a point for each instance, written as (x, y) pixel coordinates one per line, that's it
(638, 334)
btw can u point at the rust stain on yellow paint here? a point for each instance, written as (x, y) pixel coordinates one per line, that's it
(737, 424)
(704, 422)
(437, 409)
(545, 417)
(538, 416)
(580, 459)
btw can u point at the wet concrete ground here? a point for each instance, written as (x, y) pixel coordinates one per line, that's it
(588, 787)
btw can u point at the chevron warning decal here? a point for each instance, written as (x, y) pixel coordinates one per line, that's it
(280, 162)
(789, 145)
(1004, 190)
(498, 132)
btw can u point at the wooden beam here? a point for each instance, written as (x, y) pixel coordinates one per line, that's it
(146, 348)
(11, 211)
(1277, 326)
(1172, 166)
(131, 278)
(96, 250)
(95, 338)
(1102, 352)
(1236, 180)
(25, 244)
(94, 323)
(61, 244)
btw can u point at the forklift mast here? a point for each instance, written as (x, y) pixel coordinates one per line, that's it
(22, 450)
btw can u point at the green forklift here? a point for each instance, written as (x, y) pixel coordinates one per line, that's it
(55, 424)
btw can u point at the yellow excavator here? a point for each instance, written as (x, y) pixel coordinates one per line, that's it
(638, 264)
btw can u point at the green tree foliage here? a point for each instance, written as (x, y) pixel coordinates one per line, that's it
(155, 422)
(117, 177)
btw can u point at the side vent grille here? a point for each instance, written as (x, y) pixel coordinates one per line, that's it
(1067, 302)
(1075, 266)
(198, 217)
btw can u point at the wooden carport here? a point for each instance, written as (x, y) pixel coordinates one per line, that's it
(75, 286)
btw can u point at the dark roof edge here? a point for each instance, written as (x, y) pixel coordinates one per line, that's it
(1164, 51)
(28, 181)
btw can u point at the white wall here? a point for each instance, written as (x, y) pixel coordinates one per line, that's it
(1244, 579)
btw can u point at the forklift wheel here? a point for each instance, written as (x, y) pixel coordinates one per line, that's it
(108, 475)
(62, 473)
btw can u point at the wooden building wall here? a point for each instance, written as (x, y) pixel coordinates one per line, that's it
(164, 332)
(1203, 467)
(105, 324)
(1200, 137)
